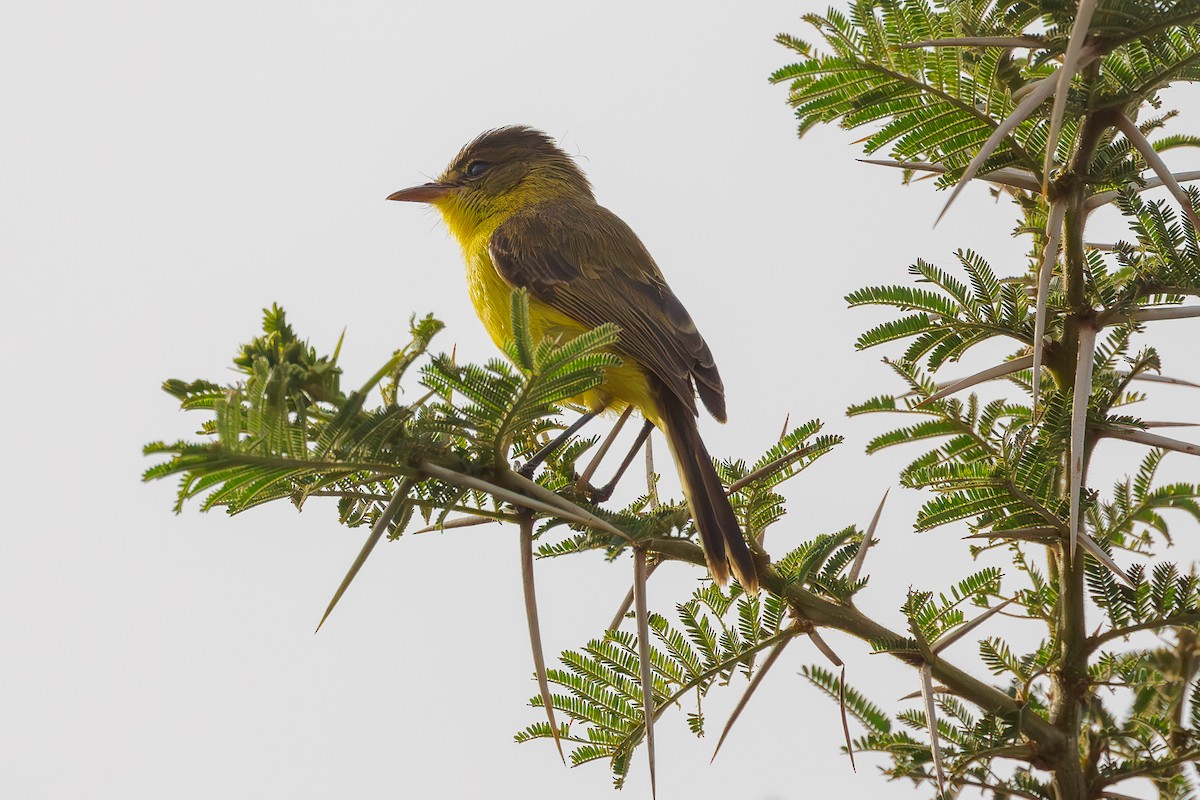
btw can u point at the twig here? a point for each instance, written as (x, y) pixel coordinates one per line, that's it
(1039, 534)
(782, 461)
(1031, 42)
(827, 613)
(459, 522)
(1183, 619)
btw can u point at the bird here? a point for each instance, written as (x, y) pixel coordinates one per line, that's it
(525, 216)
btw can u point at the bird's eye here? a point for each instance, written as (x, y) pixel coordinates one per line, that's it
(477, 168)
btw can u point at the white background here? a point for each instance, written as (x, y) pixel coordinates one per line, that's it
(169, 169)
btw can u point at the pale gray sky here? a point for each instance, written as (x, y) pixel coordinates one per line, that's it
(172, 168)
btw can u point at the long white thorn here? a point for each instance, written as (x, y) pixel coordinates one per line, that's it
(836, 660)
(937, 689)
(967, 627)
(861, 556)
(1159, 423)
(1153, 182)
(1005, 176)
(1152, 440)
(768, 662)
(1038, 92)
(535, 630)
(1070, 65)
(935, 746)
(825, 649)
(566, 509)
(627, 603)
(1079, 409)
(507, 495)
(377, 530)
(644, 665)
(845, 719)
(1054, 223)
(1143, 146)
(991, 373)
(1149, 315)
(1097, 552)
(1145, 376)
(1162, 314)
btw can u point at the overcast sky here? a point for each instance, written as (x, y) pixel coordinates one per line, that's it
(170, 169)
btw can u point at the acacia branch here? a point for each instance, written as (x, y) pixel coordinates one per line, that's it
(1172, 621)
(827, 613)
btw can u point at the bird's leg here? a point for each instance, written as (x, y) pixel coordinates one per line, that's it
(583, 482)
(536, 460)
(605, 491)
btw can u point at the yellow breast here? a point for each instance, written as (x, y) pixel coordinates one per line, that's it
(492, 297)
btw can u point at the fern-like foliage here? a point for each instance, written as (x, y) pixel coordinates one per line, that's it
(288, 431)
(941, 88)
(938, 104)
(717, 637)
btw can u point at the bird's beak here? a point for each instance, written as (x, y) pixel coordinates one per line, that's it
(425, 193)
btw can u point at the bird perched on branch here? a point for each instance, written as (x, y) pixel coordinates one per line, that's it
(525, 216)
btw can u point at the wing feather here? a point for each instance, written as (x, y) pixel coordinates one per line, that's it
(602, 273)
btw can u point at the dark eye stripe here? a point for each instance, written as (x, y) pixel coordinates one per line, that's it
(477, 168)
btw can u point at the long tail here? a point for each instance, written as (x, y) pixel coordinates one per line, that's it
(721, 537)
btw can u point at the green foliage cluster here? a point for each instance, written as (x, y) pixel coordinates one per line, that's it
(286, 430)
(945, 84)
(719, 635)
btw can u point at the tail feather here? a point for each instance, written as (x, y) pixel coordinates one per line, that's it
(720, 535)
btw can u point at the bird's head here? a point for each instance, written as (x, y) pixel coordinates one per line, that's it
(497, 173)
